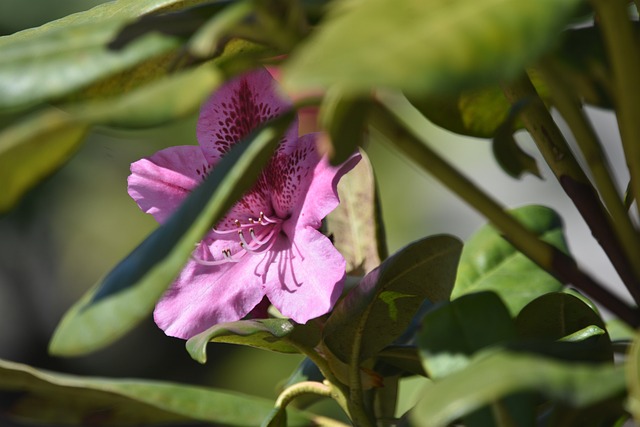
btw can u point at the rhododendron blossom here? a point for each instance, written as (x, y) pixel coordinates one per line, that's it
(268, 244)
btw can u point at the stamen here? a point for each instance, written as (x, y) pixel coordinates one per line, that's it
(264, 220)
(243, 243)
(262, 239)
(225, 253)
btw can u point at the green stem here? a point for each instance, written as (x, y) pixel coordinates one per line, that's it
(573, 180)
(321, 421)
(339, 392)
(356, 397)
(570, 108)
(622, 49)
(299, 389)
(394, 119)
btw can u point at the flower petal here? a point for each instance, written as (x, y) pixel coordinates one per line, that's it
(305, 278)
(288, 176)
(321, 196)
(203, 296)
(236, 109)
(161, 182)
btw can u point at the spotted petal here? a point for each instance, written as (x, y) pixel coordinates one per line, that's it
(321, 196)
(236, 109)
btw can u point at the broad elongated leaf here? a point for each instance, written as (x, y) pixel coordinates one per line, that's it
(62, 399)
(489, 262)
(129, 292)
(423, 46)
(560, 316)
(153, 104)
(64, 59)
(453, 333)
(479, 112)
(268, 334)
(354, 225)
(501, 374)
(35, 148)
(380, 308)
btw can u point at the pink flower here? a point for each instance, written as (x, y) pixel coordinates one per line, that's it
(268, 244)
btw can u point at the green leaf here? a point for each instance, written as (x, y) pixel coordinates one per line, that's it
(633, 377)
(511, 158)
(66, 58)
(381, 307)
(454, 332)
(423, 46)
(129, 292)
(355, 225)
(404, 358)
(153, 104)
(475, 112)
(489, 262)
(35, 148)
(583, 59)
(501, 374)
(268, 334)
(344, 118)
(560, 316)
(61, 399)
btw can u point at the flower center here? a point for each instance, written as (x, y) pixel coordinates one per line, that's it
(253, 236)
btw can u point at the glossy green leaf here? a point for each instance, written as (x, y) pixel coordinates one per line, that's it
(268, 334)
(129, 292)
(452, 333)
(35, 148)
(66, 58)
(489, 262)
(355, 225)
(560, 316)
(62, 399)
(501, 374)
(423, 46)
(71, 53)
(381, 307)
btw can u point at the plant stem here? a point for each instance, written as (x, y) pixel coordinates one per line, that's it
(343, 395)
(339, 392)
(570, 108)
(394, 119)
(622, 49)
(299, 389)
(574, 181)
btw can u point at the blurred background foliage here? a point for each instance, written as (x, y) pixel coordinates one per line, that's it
(74, 227)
